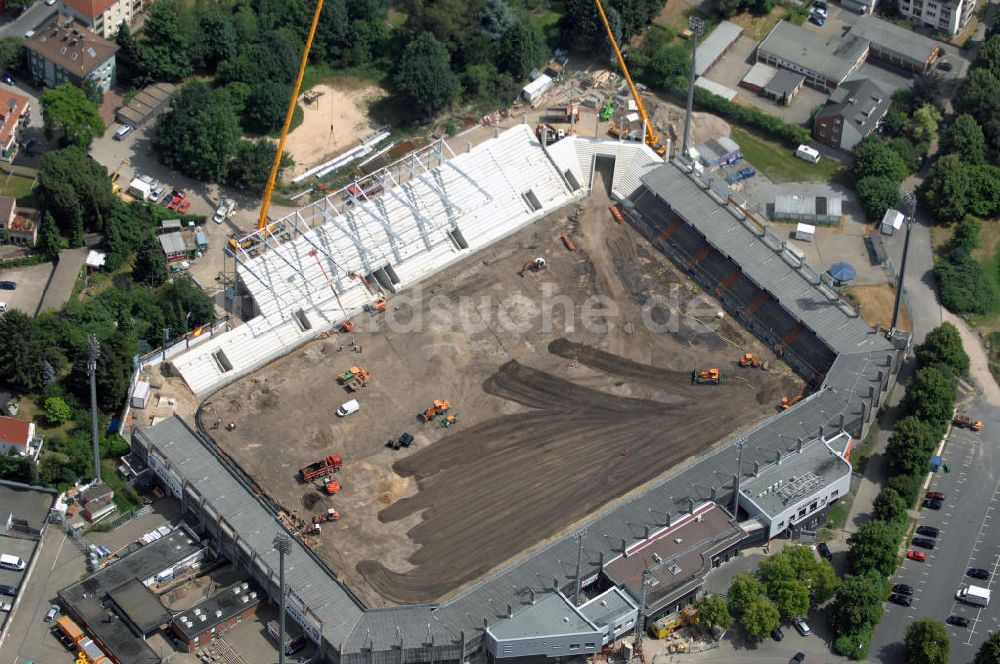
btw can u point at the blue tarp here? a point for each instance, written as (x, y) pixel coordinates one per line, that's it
(935, 463)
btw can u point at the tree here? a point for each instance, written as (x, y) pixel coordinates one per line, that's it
(522, 49)
(162, 53)
(713, 611)
(219, 42)
(930, 395)
(947, 188)
(824, 583)
(910, 445)
(424, 77)
(199, 134)
(926, 642)
(11, 53)
(965, 138)
(791, 596)
(252, 164)
(150, 266)
(48, 238)
(873, 157)
(266, 107)
(21, 353)
(928, 89)
(796, 564)
(877, 194)
(17, 5)
(943, 345)
(989, 652)
(75, 190)
(889, 506)
(68, 113)
(873, 547)
(858, 602)
(743, 590)
(57, 410)
(924, 123)
(760, 617)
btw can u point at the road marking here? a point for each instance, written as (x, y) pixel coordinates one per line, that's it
(58, 551)
(996, 563)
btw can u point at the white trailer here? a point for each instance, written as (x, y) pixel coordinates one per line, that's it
(537, 88)
(973, 595)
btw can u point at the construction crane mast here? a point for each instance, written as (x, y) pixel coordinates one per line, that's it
(652, 140)
(269, 189)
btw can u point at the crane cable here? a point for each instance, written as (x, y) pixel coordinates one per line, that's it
(269, 189)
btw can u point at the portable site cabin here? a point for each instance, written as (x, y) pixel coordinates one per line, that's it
(892, 221)
(140, 394)
(140, 189)
(805, 232)
(537, 88)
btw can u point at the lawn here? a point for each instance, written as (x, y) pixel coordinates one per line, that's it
(779, 163)
(16, 186)
(757, 27)
(877, 302)
(675, 14)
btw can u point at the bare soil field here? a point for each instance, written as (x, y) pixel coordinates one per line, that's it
(335, 122)
(563, 406)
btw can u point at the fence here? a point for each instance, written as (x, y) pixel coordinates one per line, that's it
(129, 516)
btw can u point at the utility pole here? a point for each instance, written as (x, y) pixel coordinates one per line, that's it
(283, 546)
(579, 561)
(739, 476)
(166, 336)
(94, 352)
(910, 203)
(697, 26)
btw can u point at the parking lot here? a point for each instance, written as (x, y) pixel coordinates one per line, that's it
(31, 281)
(972, 496)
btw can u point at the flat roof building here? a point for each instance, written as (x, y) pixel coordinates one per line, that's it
(715, 45)
(216, 615)
(895, 44)
(549, 627)
(147, 104)
(783, 86)
(810, 209)
(825, 61)
(758, 76)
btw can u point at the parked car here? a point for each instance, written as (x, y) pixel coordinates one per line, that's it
(5, 607)
(817, 19)
(51, 614)
(8, 285)
(978, 573)
(919, 556)
(944, 65)
(820, 9)
(798, 657)
(958, 621)
(10, 591)
(934, 495)
(167, 200)
(901, 600)
(348, 408)
(802, 626)
(156, 194)
(930, 531)
(824, 551)
(777, 634)
(902, 589)
(932, 504)
(174, 203)
(179, 194)
(8, 79)
(184, 206)
(923, 542)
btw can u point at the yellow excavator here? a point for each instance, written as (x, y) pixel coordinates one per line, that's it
(651, 138)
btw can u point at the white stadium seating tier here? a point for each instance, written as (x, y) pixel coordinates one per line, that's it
(481, 193)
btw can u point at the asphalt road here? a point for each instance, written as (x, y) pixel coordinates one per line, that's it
(30, 19)
(972, 490)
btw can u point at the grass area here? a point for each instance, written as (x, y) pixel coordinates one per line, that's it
(779, 163)
(837, 518)
(17, 186)
(757, 27)
(544, 18)
(675, 14)
(126, 497)
(27, 409)
(396, 17)
(861, 453)
(876, 302)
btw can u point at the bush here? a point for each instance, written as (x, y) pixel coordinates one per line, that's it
(57, 411)
(964, 285)
(907, 486)
(791, 135)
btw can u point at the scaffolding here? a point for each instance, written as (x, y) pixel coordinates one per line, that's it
(799, 486)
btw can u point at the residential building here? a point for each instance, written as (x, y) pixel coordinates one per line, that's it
(825, 61)
(853, 111)
(896, 45)
(948, 17)
(63, 50)
(102, 17)
(18, 225)
(15, 114)
(18, 437)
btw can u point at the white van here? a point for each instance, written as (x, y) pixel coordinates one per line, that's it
(807, 153)
(11, 562)
(346, 409)
(123, 131)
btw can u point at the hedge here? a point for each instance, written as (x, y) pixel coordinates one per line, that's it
(793, 135)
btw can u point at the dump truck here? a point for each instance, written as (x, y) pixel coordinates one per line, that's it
(536, 265)
(354, 378)
(964, 422)
(439, 407)
(974, 595)
(748, 361)
(710, 376)
(322, 467)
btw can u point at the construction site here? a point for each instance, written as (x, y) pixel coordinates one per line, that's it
(555, 416)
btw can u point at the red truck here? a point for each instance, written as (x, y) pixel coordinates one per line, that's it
(322, 467)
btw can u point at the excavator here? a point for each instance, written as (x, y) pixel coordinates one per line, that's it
(748, 361)
(115, 187)
(439, 407)
(709, 376)
(651, 138)
(964, 422)
(787, 403)
(448, 421)
(354, 378)
(536, 265)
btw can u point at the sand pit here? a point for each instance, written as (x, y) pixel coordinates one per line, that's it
(333, 123)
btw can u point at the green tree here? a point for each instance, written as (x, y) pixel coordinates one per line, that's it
(877, 194)
(713, 611)
(873, 547)
(252, 164)
(57, 410)
(69, 114)
(930, 395)
(873, 157)
(425, 78)
(858, 602)
(965, 138)
(946, 189)
(198, 136)
(218, 41)
(743, 590)
(21, 353)
(924, 123)
(943, 345)
(162, 53)
(266, 107)
(889, 506)
(853, 644)
(909, 447)
(522, 49)
(926, 642)
(760, 617)
(150, 266)
(791, 596)
(17, 5)
(48, 238)
(989, 652)
(824, 583)
(11, 53)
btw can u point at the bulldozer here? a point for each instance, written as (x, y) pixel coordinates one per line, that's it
(448, 421)
(748, 361)
(710, 376)
(787, 403)
(536, 265)
(332, 487)
(354, 378)
(439, 407)
(326, 517)
(964, 422)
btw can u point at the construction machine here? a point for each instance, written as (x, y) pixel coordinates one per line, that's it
(964, 422)
(326, 517)
(324, 466)
(545, 133)
(651, 138)
(380, 303)
(115, 187)
(439, 407)
(332, 486)
(536, 265)
(748, 361)
(709, 376)
(607, 111)
(354, 378)
(787, 403)
(348, 324)
(448, 421)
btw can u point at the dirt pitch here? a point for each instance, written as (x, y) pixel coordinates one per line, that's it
(553, 423)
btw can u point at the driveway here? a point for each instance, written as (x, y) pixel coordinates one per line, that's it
(60, 287)
(31, 282)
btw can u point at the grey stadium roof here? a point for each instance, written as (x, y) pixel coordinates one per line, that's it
(553, 614)
(607, 606)
(714, 45)
(834, 57)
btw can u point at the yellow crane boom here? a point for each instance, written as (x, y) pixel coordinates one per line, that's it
(269, 189)
(652, 140)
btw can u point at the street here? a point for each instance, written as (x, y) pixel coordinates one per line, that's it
(29, 19)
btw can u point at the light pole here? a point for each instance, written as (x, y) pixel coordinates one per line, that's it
(697, 26)
(94, 352)
(910, 204)
(739, 475)
(579, 561)
(283, 546)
